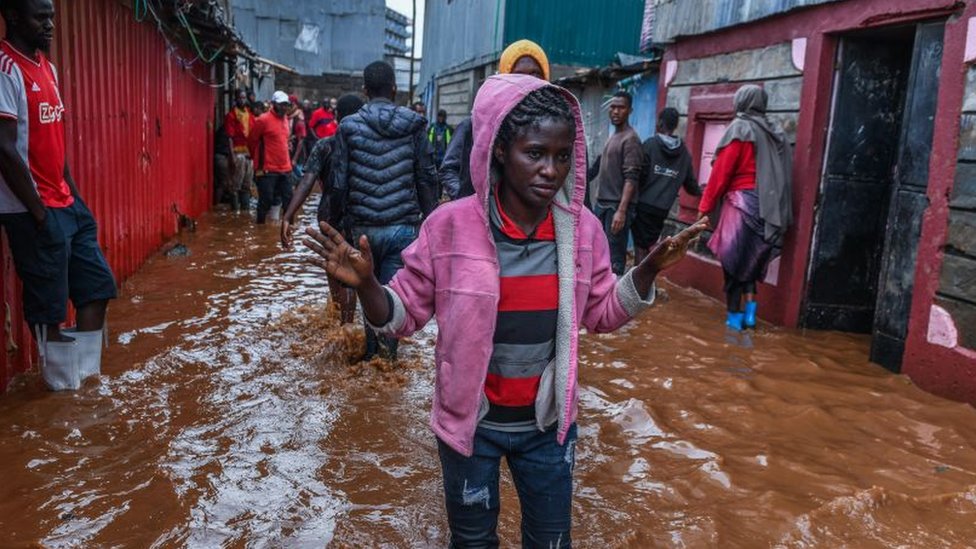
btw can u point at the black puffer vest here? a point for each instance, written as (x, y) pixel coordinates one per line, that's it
(382, 143)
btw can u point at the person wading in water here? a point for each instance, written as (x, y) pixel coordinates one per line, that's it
(511, 275)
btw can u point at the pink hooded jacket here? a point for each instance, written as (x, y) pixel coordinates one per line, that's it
(451, 271)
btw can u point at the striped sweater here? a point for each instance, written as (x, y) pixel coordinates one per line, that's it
(525, 332)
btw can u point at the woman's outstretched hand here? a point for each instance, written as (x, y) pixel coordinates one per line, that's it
(667, 253)
(350, 266)
(674, 248)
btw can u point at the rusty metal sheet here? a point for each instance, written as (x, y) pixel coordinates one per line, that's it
(139, 134)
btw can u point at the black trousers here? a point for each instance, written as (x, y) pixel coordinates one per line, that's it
(269, 185)
(734, 290)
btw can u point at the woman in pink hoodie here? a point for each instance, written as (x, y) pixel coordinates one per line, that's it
(511, 274)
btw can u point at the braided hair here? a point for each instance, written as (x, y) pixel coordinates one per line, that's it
(547, 103)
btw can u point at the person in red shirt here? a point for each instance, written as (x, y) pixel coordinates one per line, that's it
(269, 149)
(240, 172)
(752, 174)
(323, 123)
(51, 232)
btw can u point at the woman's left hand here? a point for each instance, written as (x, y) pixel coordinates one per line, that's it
(667, 253)
(674, 248)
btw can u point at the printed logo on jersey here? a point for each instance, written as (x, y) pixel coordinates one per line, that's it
(35, 87)
(50, 113)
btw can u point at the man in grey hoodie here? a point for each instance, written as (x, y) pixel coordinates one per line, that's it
(667, 167)
(385, 180)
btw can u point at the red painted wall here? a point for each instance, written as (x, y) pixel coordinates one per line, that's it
(139, 141)
(945, 371)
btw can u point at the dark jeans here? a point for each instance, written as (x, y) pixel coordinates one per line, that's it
(647, 226)
(62, 259)
(543, 475)
(270, 186)
(618, 242)
(386, 243)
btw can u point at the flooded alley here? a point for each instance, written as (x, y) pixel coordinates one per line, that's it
(228, 415)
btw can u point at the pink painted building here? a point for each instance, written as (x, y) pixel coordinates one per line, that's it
(879, 98)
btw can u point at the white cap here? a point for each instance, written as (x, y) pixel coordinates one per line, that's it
(280, 97)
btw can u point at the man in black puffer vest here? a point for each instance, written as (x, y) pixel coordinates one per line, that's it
(385, 180)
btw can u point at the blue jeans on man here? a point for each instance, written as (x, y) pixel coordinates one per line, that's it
(386, 244)
(543, 474)
(618, 242)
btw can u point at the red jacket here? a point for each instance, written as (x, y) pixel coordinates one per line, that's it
(734, 169)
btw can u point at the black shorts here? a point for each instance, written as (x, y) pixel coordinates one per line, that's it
(57, 261)
(647, 225)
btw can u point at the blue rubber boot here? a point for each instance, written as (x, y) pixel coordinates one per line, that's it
(750, 316)
(734, 321)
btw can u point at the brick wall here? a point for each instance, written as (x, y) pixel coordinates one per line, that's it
(957, 284)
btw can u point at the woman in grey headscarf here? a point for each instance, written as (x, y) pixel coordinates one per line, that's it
(752, 172)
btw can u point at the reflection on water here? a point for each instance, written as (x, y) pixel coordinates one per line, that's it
(230, 415)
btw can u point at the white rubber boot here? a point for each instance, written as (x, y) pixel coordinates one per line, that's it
(59, 362)
(89, 351)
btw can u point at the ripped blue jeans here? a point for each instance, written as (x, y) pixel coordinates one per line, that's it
(543, 475)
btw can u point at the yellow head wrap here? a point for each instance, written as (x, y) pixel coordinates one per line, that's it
(520, 49)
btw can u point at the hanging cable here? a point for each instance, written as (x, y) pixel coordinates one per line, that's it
(193, 38)
(141, 9)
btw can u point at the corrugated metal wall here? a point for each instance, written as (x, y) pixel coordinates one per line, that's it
(674, 18)
(349, 33)
(460, 34)
(140, 141)
(644, 117)
(577, 32)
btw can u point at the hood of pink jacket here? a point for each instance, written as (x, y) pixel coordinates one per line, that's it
(496, 98)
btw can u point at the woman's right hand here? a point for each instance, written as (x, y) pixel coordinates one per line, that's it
(350, 266)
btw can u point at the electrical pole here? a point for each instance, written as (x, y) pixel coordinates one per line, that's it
(413, 50)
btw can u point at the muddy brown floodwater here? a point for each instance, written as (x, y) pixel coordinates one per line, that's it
(228, 415)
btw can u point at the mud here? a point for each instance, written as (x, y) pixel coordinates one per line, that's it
(232, 413)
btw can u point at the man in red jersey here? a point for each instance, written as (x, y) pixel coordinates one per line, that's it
(51, 232)
(323, 123)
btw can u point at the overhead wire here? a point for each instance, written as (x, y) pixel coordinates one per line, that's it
(172, 49)
(193, 38)
(140, 9)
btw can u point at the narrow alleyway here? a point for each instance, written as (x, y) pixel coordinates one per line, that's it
(228, 416)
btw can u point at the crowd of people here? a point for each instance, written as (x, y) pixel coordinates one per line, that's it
(483, 227)
(402, 166)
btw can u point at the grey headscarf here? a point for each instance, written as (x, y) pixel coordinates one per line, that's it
(774, 160)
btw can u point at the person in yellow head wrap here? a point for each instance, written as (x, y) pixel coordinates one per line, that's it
(520, 57)
(524, 57)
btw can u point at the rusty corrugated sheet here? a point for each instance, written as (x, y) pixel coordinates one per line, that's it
(139, 141)
(677, 18)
